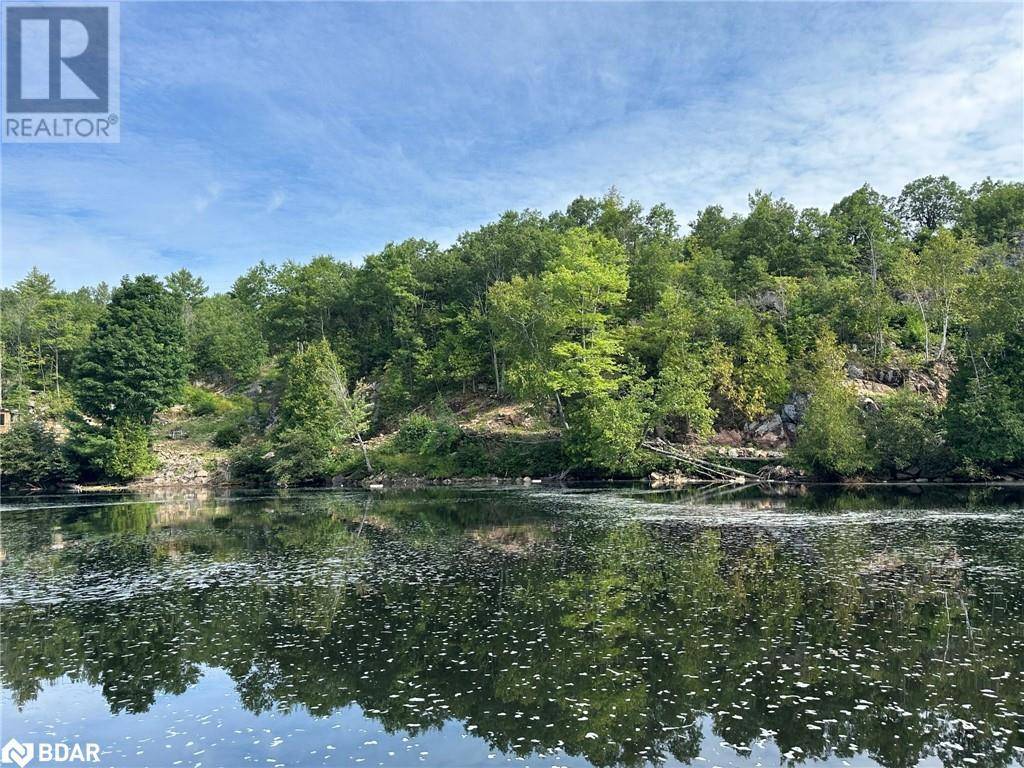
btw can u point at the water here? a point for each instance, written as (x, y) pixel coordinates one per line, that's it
(531, 626)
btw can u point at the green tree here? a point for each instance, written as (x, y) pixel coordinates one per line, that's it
(936, 277)
(930, 202)
(31, 458)
(831, 440)
(226, 342)
(907, 438)
(117, 451)
(135, 359)
(311, 438)
(985, 409)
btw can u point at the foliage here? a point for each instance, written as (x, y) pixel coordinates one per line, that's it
(318, 417)
(906, 437)
(985, 410)
(603, 316)
(831, 439)
(134, 361)
(201, 402)
(428, 435)
(30, 457)
(118, 451)
(226, 341)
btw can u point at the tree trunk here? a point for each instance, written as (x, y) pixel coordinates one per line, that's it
(561, 411)
(366, 456)
(927, 333)
(494, 362)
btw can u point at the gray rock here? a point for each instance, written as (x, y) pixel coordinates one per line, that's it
(770, 424)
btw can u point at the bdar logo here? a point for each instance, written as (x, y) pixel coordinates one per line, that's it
(16, 752)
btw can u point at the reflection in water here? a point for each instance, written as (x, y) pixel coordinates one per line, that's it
(616, 627)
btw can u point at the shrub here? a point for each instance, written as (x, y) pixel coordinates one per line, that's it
(248, 465)
(230, 434)
(202, 402)
(117, 452)
(427, 435)
(906, 437)
(306, 457)
(31, 457)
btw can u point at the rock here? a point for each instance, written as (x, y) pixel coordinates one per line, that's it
(771, 424)
(854, 371)
(782, 473)
(893, 377)
(870, 406)
(728, 437)
(789, 413)
(673, 479)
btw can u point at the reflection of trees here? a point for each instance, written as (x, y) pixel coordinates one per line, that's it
(631, 634)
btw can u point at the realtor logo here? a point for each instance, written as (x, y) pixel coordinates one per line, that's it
(61, 72)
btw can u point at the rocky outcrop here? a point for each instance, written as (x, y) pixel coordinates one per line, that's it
(182, 465)
(778, 430)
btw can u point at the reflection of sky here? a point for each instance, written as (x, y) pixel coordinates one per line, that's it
(205, 727)
(285, 130)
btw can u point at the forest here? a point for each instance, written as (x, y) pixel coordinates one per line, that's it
(882, 338)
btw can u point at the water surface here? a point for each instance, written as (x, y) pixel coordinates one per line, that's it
(541, 626)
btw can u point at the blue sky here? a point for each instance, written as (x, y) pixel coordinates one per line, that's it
(284, 130)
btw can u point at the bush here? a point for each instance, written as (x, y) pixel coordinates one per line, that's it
(906, 437)
(118, 452)
(247, 465)
(235, 425)
(230, 435)
(427, 435)
(306, 457)
(202, 402)
(31, 458)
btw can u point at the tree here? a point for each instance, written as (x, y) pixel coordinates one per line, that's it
(318, 416)
(930, 202)
(226, 343)
(187, 288)
(135, 359)
(985, 409)
(936, 277)
(354, 407)
(831, 439)
(995, 216)
(867, 229)
(32, 458)
(906, 437)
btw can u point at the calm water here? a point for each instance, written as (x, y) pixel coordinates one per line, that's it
(538, 626)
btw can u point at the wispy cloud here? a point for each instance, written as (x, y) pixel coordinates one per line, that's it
(355, 124)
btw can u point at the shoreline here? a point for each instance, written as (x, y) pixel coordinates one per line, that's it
(415, 483)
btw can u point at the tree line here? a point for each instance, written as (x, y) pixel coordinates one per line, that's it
(607, 318)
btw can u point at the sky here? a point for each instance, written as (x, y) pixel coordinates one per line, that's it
(286, 130)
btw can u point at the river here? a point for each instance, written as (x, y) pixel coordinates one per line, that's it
(613, 626)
